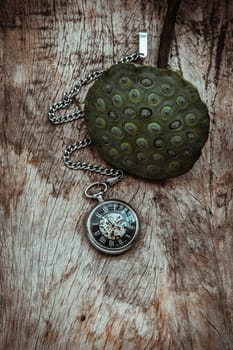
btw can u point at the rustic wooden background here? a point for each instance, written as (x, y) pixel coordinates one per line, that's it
(174, 290)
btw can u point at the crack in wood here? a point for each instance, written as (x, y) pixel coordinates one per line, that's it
(219, 51)
(167, 33)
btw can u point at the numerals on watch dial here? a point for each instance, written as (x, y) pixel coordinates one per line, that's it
(112, 226)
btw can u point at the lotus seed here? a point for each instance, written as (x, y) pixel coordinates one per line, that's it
(175, 125)
(108, 88)
(158, 143)
(145, 113)
(129, 112)
(131, 128)
(116, 131)
(153, 99)
(146, 82)
(154, 127)
(100, 123)
(112, 115)
(166, 112)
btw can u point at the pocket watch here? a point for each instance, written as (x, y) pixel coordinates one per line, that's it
(112, 225)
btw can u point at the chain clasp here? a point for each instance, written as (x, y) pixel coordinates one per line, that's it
(143, 44)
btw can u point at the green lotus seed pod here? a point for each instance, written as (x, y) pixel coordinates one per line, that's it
(147, 121)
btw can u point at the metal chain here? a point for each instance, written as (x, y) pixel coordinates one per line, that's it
(67, 100)
(87, 166)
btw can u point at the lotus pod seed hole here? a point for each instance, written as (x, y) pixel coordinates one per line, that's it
(176, 124)
(177, 140)
(134, 95)
(108, 88)
(129, 112)
(116, 131)
(166, 112)
(174, 165)
(181, 101)
(100, 123)
(124, 81)
(154, 127)
(126, 147)
(187, 153)
(100, 105)
(117, 100)
(171, 152)
(141, 156)
(106, 139)
(167, 89)
(157, 157)
(158, 143)
(154, 99)
(145, 113)
(141, 142)
(131, 128)
(146, 82)
(191, 137)
(113, 115)
(191, 119)
(113, 153)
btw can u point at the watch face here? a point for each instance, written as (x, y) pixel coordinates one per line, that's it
(112, 226)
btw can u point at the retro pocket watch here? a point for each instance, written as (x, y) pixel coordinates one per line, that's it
(144, 121)
(112, 225)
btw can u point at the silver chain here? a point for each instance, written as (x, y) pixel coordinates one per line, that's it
(67, 100)
(87, 166)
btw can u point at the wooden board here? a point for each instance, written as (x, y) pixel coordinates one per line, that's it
(174, 290)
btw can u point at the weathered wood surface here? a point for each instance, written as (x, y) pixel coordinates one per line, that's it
(175, 289)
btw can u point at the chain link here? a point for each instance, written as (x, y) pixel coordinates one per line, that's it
(130, 58)
(87, 166)
(67, 100)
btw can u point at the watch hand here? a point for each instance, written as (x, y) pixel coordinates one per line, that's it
(106, 219)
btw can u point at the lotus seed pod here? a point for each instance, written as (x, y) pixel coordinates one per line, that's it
(147, 121)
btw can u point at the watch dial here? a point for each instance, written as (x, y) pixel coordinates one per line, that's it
(112, 226)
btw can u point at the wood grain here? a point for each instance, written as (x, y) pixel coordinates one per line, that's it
(175, 289)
